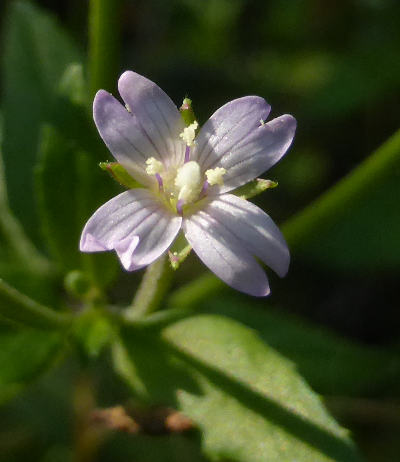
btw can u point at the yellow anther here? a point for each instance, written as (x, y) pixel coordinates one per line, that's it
(214, 176)
(189, 133)
(153, 166)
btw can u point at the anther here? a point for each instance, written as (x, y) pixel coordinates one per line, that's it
(154, 166)
(189, 133)
(214, 176)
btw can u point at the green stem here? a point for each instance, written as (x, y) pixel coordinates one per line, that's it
(332, 205)
(104, 43)
(22, 309)
(316, 217)
(16, 240)
(155, 284)
(157, 320)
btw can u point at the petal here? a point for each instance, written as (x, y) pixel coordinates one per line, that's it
(227, 127)
(256, 153)
(224, 254)
(135, 224)
(123, 136)
(125, 251)
(254, 228)
(158, 117)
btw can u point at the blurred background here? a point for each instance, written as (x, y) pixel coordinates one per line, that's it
(335, 66)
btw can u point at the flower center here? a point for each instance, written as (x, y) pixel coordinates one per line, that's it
(188, 182)
(184, 185)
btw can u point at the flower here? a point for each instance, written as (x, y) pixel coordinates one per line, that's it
(187, 183)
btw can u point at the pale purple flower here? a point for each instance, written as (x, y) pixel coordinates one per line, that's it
(187, 183)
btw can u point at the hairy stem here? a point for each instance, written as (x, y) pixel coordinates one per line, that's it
(317, 216)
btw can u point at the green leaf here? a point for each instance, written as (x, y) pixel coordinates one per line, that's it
(248, 400)
(36, 53)
(57, 197)
(332, 365)
(67, 174)
(66, 178)
(24, 355)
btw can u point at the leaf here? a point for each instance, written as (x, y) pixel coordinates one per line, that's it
(36, 53)
(66, 176)
(248, 400)
(57, 197)
(24, 355)
(332, 365)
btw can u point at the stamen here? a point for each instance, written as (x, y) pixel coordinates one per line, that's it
(189, 133)
(214, 176)
(204, 189)
(187, 154)
(160, 181)
(154, 166)
(179, 206)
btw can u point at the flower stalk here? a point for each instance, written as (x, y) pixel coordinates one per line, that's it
(155, 284)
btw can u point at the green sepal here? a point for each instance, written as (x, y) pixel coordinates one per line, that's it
(254, 188)
(187, 112)
(119, 174)
(179, 251)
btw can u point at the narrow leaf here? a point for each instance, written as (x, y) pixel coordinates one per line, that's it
(36, 53)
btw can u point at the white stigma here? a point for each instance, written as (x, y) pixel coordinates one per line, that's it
(189, 133)
(154, 166)
(214, 176)
(188, 181)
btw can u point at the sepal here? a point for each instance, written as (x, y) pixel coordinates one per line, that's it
(254, 188)
(179, 251)
(187, 112)
(119, 174)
